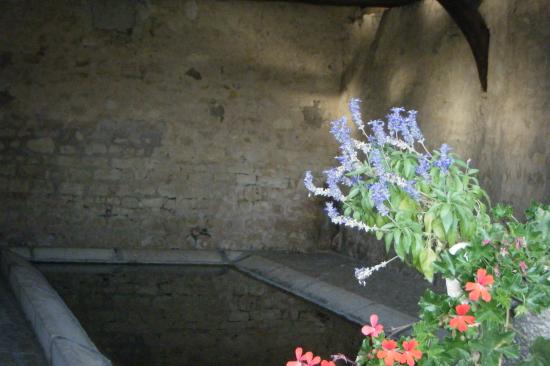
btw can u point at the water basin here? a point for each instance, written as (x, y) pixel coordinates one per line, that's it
(194, 315)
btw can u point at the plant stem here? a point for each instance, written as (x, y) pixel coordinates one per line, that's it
(506, 326)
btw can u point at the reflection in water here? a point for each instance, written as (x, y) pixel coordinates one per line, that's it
(195, 315)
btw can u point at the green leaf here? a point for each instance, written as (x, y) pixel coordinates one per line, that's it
(447, 217)
(428, 219)
(407, 242)
(388, 239)
(438, 229)
(354, 192)
(427, 258)
(398, 245)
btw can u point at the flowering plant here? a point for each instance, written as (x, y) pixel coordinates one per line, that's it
(421, 204)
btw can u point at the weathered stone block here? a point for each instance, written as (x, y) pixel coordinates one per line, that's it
(44, 145)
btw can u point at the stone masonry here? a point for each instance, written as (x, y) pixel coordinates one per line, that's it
(173, 124)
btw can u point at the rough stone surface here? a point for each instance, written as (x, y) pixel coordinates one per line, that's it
(531, 326)
(165, 123)
(18, 344)
(417, 57)
(63, 340)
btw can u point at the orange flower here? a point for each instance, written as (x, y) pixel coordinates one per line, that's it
(479, 288)
(310, 360)
(410, 353)
(462, 320)
(389, 353)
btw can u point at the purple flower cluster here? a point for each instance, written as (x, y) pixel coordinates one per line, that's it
(380, 194)
(444, 161)
(423, 168)
(342, 133)
(338, 219)
(334, 177)
(401, 132)
(404, 125)
(379, 137)
(377, 161)
(410, 189)
(355, 110)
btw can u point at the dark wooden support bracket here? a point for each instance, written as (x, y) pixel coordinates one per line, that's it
(358, 3)
(466, 15)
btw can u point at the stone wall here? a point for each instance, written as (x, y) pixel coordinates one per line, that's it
(165, 123)
(189, 124)
(195, 316)
(419, 59)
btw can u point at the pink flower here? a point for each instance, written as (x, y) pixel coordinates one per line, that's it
(523, 266)
(485, 242)
(496, 270)
(302, 359)
(520, 242)
(503, 251)
(327, 363)
(299, 357)
(374, 329)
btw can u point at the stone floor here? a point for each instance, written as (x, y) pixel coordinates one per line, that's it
(18, 344)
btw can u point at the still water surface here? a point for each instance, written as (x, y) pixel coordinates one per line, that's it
(146, 315)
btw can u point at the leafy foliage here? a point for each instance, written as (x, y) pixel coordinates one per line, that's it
(421, 204)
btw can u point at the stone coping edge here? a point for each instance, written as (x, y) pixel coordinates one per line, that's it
(63, 340)
(349, 305)
(128, 256)
(353, 307)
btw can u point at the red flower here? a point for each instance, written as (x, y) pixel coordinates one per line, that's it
(327, 363)
(310, 360)
(410, 353)
(462, 320)
(374, 329)
(480, 286)
(389, 353)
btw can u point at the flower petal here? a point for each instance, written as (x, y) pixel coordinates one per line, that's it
(373, 320)
(298, 352)
(462, 309)
(486, 296)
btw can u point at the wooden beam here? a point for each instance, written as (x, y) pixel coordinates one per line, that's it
(466, 15)
(358, 3)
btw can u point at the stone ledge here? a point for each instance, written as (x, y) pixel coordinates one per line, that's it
(347, 304)
(64, 341)
(123, 256)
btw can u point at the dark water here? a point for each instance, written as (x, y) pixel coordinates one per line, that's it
(195, 315)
